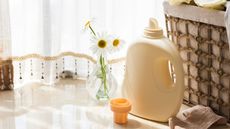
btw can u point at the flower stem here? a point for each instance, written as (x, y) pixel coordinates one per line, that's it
(92, 30)
(103, 71)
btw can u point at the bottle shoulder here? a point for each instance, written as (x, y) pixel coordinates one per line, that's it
(159, 41)
(163, 43)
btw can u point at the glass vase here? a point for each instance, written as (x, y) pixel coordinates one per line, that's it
(101, 84)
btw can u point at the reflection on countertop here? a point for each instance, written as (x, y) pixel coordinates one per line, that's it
(65, 105)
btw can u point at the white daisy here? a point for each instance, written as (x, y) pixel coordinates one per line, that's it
(100, 43)
(117, 44)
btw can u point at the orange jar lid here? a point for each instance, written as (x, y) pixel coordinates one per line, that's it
(120, 108)
(120, 105)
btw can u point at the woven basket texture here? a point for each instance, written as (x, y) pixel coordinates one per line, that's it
(206, 62)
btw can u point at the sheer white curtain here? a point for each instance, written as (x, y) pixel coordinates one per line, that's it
(5, 40)
(50, 27)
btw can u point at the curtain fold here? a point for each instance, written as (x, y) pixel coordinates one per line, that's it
(48, 40)
(6, 67)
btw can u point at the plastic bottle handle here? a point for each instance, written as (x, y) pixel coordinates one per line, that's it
(164, 79)
(178, 70)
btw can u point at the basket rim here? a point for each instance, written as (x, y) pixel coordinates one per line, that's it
(195, 13)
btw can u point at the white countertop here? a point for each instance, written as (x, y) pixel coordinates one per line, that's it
(63, 106)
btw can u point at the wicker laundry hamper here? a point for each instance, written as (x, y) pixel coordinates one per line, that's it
(6, 75)
(201, 38)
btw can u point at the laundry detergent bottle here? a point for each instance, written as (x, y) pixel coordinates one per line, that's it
(154, 76)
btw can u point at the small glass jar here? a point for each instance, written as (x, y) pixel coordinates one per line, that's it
(101, 84)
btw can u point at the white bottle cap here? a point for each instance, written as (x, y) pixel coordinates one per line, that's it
(153, 30)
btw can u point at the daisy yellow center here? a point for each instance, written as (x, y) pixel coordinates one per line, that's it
(102, 43)
(116, 42)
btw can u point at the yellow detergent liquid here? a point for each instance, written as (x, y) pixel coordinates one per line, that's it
(154, 76)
